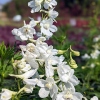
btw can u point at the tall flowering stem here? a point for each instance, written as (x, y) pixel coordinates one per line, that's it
(40, 66)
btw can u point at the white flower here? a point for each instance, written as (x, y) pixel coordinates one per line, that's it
(27, 89)
(24, 33)
(49, 3)
(40, 41)
(33, 23)
(35, 5)
(31, 49)
(46, 51)
(6, 94)
(65, 86)
(94, 98)
(31, 60)
(47, 86)
(25, 69)
(66, 74)
(47, 28)
(92, 65)
(85, 56)
(49, 62)
(31, 82)
(69, 94)
(95, 54)
(26, 75)
(52, 14)
(96, 39)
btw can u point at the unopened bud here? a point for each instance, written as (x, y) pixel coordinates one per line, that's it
(61, 51)
(76, 53)
(72, 63)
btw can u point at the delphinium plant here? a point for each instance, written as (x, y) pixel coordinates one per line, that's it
(42, 72)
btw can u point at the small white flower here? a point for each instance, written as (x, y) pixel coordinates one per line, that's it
(47, 28)
(49, 62)
(24, 33)
(92, 65)
(27, 89)
(33, 23)
(96, 39)
(49, 3)
(47, 86)
(31, 49)
(46, 51)
(31, 60)
(35, 5)
(7, 94)
(95, 54)
(66, 74)
(69, 94)
(25, 69)
(94, 98)
(52, 14)
(85, 56)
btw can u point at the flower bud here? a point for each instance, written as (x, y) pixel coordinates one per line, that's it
(76, 53)
(61, 51)
(72, 63)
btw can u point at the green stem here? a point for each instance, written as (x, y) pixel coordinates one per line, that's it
(2, 80)
(18, 83)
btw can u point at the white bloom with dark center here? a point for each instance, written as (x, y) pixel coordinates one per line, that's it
(7, 94)
(49, 3)
(48, 86)
(47, 28)
(24, 33)
(35, 5)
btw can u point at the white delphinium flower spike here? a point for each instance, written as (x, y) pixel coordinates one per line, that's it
(7, 94)
(35, 5)
(49, 3)
(24, 33)
(47, 86)
(47, 27)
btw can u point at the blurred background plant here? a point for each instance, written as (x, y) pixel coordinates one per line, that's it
(78, 25)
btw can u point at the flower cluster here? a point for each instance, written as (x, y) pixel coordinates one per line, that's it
(94, 55)
(41, 65)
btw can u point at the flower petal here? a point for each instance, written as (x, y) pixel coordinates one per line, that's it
(44, 92)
